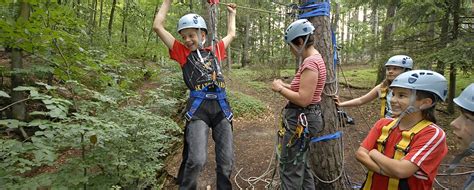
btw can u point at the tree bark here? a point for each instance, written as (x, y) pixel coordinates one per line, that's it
(325, 158)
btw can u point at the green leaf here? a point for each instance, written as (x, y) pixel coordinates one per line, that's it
(47, 86)
(4, 94)
(24, 88)
(12, 123)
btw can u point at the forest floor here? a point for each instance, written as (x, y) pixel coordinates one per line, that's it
(254, 142)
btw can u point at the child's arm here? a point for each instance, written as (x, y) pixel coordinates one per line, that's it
(397, 168)
(231, 8)
(158, 24)
(362, 155)
(363, 99)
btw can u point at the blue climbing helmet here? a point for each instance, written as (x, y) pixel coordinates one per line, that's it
(466, 98)
(424, 80)
(301, 27)
(191, 21)
(400, 61)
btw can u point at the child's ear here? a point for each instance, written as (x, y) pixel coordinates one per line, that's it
(426, 103)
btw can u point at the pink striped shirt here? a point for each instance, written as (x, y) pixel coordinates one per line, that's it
(314, 63)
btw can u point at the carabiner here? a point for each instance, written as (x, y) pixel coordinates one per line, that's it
(302, 120)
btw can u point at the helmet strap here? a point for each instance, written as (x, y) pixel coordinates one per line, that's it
(411, 106)
(200, 45)
(299, 51)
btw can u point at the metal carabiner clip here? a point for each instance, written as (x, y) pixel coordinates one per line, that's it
(302, 120)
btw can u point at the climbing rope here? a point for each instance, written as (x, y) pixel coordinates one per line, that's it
(254, 9)
(252, 181)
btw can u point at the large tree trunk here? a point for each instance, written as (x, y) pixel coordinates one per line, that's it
(387, 36)
(325, 158)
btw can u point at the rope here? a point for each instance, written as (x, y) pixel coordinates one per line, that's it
(252, 181)
(254, 9)
(352, 97)
(437, 182)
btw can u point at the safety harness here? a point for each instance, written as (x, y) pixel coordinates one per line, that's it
(401, 149)
(383, 103)
(201, 95)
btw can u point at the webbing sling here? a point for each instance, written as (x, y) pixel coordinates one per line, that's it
(401, 148)
(200, 95)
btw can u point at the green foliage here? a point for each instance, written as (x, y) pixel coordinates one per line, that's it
(117, 141)
(246, 106)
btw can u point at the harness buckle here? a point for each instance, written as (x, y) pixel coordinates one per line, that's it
(187, 116)
(211, 96)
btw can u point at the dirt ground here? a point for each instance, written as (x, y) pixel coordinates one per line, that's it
(254, 142)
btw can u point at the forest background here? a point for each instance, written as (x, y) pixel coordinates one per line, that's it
(90, 99)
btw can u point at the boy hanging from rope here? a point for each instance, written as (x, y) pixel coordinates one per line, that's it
(207, 106)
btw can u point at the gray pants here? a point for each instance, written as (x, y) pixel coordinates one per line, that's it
(294, 169)
(195, 153)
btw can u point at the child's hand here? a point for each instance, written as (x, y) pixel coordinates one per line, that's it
(336, 99)
(231, 7)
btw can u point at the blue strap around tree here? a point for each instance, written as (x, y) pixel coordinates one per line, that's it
(318, 9)
(325, 138)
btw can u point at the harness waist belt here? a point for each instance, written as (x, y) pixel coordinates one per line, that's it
(201, 95)
(294, 106)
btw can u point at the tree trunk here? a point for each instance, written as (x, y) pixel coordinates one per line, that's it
(124, 20)
(387, 37)
(374, 18)
(452, 74)
(111, 20)
(101, 9)
(444, 36)
(19, 109)
(355, 22)
(245, 53)
(325, 158)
